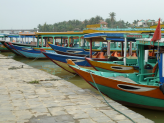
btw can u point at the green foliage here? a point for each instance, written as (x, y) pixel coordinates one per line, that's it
(34, 82)
(76, 25)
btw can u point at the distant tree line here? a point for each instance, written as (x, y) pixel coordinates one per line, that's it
(77, 25)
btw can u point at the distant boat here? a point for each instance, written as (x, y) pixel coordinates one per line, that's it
(3, 48)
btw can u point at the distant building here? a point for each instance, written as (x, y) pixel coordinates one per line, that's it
(145, 23)
(141, 23)
(150, 21)
(103, 23)
(157, 22)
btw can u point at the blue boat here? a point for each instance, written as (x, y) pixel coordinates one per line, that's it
(29, 52)
(69, 51)
(61, 60)
(11, 49)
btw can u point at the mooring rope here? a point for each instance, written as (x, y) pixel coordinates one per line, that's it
(35, 58)
(106, 101)
(21, 66)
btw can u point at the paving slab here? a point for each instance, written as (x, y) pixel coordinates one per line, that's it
(52, 99)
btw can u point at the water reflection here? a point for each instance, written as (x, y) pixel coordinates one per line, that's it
(50, 67)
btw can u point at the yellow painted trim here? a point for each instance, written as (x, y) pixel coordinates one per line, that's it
(57, 33)
(65, 66)
(96, 31)
(43, 48)
(109, 67)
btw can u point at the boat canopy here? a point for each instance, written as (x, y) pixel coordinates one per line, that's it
(104, 37)
(20, 36)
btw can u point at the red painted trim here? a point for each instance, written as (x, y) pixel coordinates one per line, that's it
(57, 64)
(88, 60)
(16, 49)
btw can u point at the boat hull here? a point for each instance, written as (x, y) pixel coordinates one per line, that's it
(29, 52)
(146, 96)
(69, 51)
(11, 49)
(61, 61)
(111, 67)
(3, 48)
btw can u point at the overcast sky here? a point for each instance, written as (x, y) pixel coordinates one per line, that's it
(27, 14)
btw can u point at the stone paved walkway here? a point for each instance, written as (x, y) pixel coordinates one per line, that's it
(53, 100)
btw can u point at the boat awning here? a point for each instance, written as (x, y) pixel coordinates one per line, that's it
(119, 39)
(21, 36)
(95, 35)
(104, 37)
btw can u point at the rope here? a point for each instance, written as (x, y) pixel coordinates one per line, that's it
(106, 101)
(35, 58)
(21, 66)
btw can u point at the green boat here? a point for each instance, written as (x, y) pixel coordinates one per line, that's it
(144, 89)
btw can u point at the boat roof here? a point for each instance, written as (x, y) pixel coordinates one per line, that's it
(27, 33)
(103, 37)
(57, 33)
(121, 30)
(60, 34)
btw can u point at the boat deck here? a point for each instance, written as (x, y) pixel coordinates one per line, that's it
(122, 78)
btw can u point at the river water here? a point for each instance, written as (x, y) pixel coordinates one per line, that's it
(50, 67)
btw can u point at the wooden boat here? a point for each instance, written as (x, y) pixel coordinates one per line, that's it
(69, 51)
(73, 41)
(144, 89)
(29, 52)
(11, 49)
(111, 66)
(3, 48)
(18, 42)
(61, 60)
(125, 62)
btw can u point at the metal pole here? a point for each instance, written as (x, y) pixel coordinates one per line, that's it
(25, 39)
(38, 41)
(130, 51)
(122, 45)
(42, 42)
(53, 40)
(19, 38)
(91, 48)
(68, 41)
(61, 41)
(125, 48)
(108, 48)
(79, 41)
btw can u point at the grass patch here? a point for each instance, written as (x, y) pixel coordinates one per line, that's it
(34, 82)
